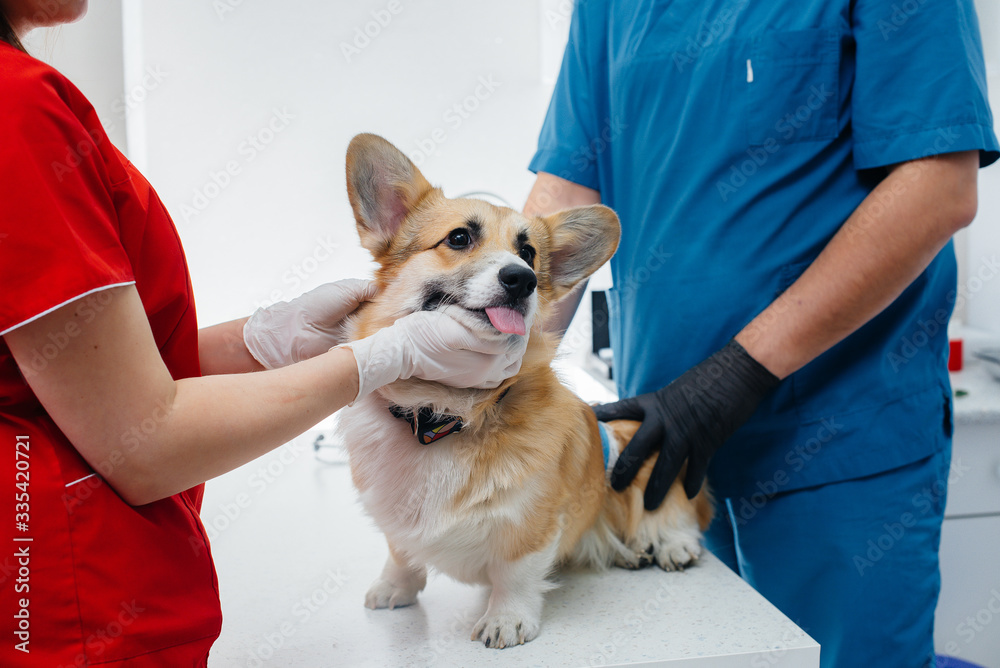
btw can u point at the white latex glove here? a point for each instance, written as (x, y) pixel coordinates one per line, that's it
(310, 324)
(434, 346)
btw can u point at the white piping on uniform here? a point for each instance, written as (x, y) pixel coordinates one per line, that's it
(70, 484)
(68, 301)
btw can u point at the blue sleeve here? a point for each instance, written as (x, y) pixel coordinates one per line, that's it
(920, 82)
(571, 123)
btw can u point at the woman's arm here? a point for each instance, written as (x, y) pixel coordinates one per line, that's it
(150, 436)
(109, 384)
(885, 244)
(222, 349)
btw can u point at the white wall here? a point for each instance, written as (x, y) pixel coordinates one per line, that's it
(302, 78)
(199, 78)
(981, 275)
(89, 52)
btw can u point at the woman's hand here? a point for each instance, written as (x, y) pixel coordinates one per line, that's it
(434, 346)
(309, 325)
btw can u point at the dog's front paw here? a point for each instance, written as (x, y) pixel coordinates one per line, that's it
(504, 630)
(384, 594)
(678, 551)
(633, 559)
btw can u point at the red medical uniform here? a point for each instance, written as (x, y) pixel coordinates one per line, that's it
(86, 579)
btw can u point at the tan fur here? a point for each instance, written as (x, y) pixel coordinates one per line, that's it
(532, 463)
(626, 508)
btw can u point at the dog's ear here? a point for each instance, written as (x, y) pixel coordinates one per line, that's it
(383, 186)
(582, 240)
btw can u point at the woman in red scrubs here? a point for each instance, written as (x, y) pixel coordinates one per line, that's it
(107, 427)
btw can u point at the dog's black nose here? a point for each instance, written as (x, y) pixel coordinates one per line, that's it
(517, 280)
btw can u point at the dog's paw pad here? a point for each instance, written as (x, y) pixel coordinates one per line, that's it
(678, 553)
(384, 594)
(504, 630)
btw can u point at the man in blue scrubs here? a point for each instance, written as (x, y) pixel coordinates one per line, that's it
(788, 177)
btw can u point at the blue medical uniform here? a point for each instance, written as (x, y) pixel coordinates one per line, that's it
(734, 138)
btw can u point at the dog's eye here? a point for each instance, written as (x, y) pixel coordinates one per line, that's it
(527, 254)
(459, 238)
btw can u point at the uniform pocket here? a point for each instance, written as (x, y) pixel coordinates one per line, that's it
(792, 87)
(948, 424)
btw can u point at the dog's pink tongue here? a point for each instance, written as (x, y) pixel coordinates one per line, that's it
(507, 320)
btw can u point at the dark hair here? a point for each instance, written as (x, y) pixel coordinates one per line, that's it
(7, 33)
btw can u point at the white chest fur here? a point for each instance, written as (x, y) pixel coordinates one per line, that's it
(409, 489)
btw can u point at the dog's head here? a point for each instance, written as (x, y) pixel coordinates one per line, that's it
(489, 267)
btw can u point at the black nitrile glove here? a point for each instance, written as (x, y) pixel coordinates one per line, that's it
(688, 419)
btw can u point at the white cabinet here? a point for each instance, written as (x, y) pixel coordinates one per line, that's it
(967, 621)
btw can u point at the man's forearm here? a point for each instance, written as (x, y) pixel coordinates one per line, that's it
(550, 194)
(561, 313)
(885, 244)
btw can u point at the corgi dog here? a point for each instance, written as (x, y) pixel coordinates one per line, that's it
(497, 486)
